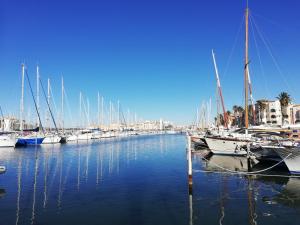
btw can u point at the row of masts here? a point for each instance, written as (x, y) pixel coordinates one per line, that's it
(116, 117)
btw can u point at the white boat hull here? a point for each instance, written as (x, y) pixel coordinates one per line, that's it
(53, 139)
(80, 137)
(226, 146)
(7, 141)
(291, 158)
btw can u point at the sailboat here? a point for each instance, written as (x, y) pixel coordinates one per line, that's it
(29, 138)
(232, 143)
(50, 138)
(6, 139)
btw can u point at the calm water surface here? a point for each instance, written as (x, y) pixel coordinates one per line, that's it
(136, 180)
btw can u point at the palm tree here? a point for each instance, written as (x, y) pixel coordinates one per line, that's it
(234, 108)
(285, 99)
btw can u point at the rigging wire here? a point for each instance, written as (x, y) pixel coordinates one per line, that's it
(37, 111)
(271, 54)
(259, 58)
(44, 93)
(69, 108)
(233, 47)
(53, 101)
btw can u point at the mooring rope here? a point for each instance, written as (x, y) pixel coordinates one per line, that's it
(247, 173)
(260, 175)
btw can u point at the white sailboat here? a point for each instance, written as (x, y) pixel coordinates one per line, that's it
(50, 138)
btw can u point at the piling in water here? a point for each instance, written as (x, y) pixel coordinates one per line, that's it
(190, 169)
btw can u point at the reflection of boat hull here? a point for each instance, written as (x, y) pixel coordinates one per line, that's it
(289, 155)
(2, 192)
(217, 162)
(226, 146)
(29, 141)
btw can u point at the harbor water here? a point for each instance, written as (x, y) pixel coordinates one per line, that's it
(137, 180)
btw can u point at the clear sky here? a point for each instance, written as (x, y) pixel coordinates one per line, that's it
(154, 56)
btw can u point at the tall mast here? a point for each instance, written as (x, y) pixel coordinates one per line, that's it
(38, 93)
(88, 111)
(251, 97)
(22, 99)
(80, 103)
(102, 111)
(48, 100)
(110, 117)
(197, 118)
(118, 114)
(98, 103)
(220, 90)
(246, 67)
(62, 104)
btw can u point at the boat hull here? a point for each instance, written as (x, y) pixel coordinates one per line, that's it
(226, 146)
(291, 157)
(29, 141)
(54, 139)
(7, 141)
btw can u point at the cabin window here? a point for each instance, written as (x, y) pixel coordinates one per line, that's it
(273, 110)
(273, 116)
(274, 122)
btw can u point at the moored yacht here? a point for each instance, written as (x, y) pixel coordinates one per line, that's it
(30, 140)
(7, 140)
(226, 145)
(51, 139)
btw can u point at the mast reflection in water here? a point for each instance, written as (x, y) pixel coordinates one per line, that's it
(138, 180)
(131, 180)
(226, 195)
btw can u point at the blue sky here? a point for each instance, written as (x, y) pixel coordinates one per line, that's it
(154, 56)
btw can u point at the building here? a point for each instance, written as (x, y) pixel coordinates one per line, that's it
(291, 114)
(268, 112)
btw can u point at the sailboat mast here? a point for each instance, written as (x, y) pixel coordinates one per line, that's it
(246, 66)
(98, 103)
(119, 115)
(62, 104)
(22, 99)
(102, 112)
(80, 110)
(48, 100)
(220, 90)
(38, 92)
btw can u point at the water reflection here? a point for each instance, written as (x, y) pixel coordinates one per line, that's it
(2, 192)
(258, 192)
(45, 179)
(139, 180)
